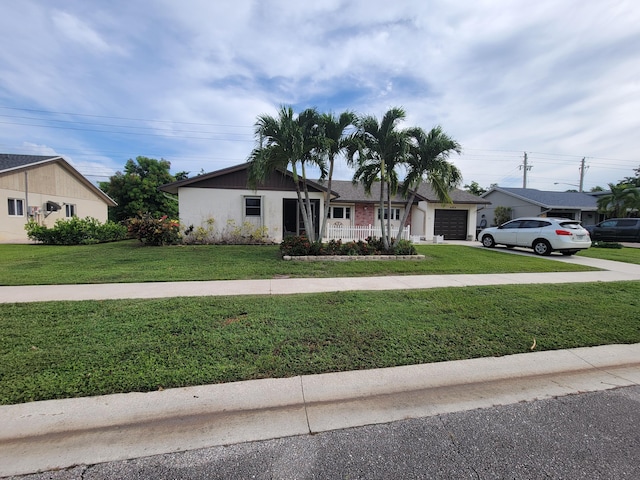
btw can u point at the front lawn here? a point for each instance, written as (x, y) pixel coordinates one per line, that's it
(625, 254)
(69, 349)
(129, 262)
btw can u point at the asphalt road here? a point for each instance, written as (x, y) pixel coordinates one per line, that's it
(585, 436)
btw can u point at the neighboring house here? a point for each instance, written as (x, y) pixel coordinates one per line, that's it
(224, 196)
(45, 189)
(529, 202)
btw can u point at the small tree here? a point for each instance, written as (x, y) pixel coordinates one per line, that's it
(502, 215)
(136, 189)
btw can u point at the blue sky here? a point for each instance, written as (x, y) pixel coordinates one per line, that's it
(101, 82)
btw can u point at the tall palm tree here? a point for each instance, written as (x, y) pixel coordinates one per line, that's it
(623, 199)
(427, 161)
(334, 142)
(284, 143)
(380, 147)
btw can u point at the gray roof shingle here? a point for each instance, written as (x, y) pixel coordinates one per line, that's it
(551, 199)
(9, 161)
(348, 192)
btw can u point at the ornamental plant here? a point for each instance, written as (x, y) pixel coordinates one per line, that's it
(154, 231)
(76, 231)
(300, 246)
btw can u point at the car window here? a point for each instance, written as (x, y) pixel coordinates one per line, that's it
(510, 225)
(608, 224)
(531, 224)
(627, 223)
(571, 225)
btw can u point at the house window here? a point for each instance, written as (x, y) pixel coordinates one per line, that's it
(395, 213)
(69, 210)
(16, 207)
(340, 212)
(252, 206)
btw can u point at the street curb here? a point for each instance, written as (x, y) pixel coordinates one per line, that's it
(55, 434)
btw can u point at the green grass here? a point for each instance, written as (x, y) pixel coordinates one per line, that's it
(625, 254)
(130, 262)
(67, 349)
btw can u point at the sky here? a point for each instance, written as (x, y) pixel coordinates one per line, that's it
(101, 82)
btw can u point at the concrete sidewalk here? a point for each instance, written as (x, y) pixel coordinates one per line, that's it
(611, 272)
(56, 434)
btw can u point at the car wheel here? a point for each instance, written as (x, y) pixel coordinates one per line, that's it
(488, 241)
(569, 253)
(542, 247)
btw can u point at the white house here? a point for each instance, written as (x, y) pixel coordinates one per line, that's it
(223, 196)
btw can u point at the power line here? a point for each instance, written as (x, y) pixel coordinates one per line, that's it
(120, 118)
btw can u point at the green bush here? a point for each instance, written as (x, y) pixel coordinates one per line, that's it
(598, 244)
(154, 231)
(75, 231)
(298, 246)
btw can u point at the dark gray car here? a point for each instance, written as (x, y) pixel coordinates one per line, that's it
(616, 230)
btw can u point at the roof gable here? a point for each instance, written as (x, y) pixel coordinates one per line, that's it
(236, 177)
(11, 163)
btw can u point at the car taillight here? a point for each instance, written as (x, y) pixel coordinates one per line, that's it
(563, 232)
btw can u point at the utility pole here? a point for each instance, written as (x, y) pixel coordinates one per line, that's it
(582, 171)
(525, 168)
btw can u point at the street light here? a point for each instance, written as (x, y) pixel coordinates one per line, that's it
(572, 184)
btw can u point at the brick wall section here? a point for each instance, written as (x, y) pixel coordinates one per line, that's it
(364, 217)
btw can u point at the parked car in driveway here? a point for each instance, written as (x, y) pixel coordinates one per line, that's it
(543, 235)
(616, 230)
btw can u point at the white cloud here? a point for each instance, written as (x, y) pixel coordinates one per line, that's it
(502, 77)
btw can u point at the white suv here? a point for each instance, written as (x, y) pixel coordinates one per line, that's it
(544, 235)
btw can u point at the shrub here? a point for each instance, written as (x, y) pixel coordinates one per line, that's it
(232, 234)
(154, 231)
(598, 244)
(76, 231)
(295, 245)
(298, 246)
(501, 215)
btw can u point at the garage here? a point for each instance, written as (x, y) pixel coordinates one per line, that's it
(452, 224)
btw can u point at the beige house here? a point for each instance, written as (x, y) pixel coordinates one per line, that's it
(45, 189)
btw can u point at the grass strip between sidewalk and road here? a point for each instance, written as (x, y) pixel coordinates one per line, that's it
(70, 349)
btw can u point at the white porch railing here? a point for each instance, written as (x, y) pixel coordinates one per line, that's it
(349, 233)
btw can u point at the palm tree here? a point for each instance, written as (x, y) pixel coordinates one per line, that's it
(334, 142)
(285, 142)
(380, 147)
(622, 199)
(427, 161)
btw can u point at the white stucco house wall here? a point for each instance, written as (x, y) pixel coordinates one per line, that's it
(223, 196)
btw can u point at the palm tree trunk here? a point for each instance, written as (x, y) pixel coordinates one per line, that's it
(327, 199)
(308, 216)
(301, 206)
(405, 216)
(389, 234)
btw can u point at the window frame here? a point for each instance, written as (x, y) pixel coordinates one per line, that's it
(395, 213)
(247, 208)
(69, 210)
(17, 205)
(346, 213)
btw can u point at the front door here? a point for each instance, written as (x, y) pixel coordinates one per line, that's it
(292, 219)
